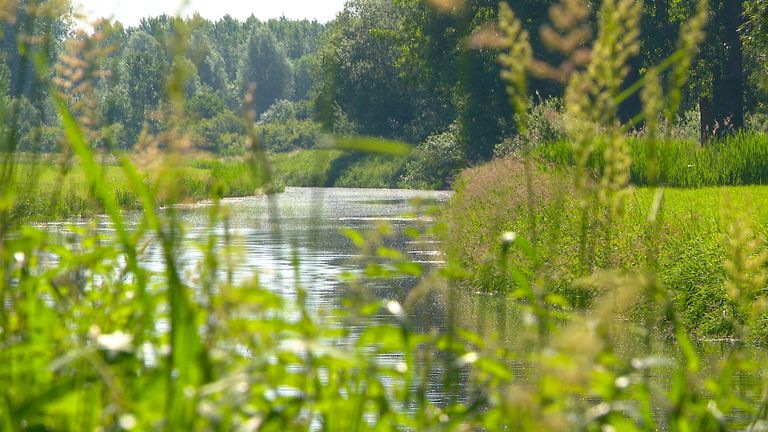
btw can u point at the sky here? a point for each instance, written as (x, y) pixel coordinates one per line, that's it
(130, 11)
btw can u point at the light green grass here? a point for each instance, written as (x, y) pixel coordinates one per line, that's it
(333, 168)
(47, 189)
(492, 199)
(740, 159)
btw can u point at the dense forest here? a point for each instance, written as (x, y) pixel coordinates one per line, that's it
(398, 69)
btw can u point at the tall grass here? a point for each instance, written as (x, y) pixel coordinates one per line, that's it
(738, 159)
(67, 193)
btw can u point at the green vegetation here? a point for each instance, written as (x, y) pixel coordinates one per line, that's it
(492, 200)
(333, 168)
(407, 70)
(569, 299)
(49, 190)
(740, 159)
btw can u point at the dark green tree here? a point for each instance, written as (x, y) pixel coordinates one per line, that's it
(209, 63)
(306, 73)
(229, 37)
(361, 61)
(722, 103)
(265, 67)
(145, 74)
(47, 30)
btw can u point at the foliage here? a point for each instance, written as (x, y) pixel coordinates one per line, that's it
(359, 60)
(691, 263)
(218, 132)
(265, 67)
(145, 72)
(308, 168)
(371, 172)
(545, 125)
(289, 135)
(435, 162)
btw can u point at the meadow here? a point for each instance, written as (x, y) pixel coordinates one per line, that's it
(56, 188)
(687, 251)
(734, 159)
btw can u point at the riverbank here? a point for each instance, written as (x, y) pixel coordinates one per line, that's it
(681, 239)
(58, 189)
(48, 187)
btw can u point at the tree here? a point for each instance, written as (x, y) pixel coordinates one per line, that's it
(229, 38)
(48, 29)
(361, 70)
(466, 82)
(306, 71)
(209, 63)
(145, 72)
(267, 68)
(722, 106)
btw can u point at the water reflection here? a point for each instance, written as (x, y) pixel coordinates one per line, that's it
(307, 222)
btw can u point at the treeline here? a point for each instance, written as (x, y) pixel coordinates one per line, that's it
(121, 81)
(410, 70)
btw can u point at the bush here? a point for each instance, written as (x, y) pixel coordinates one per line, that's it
(209, 132)
(285, 110)
(546, 124)
(434, 163)
(372, 172)
(289, 135)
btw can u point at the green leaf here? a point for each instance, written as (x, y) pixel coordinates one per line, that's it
(354, 236)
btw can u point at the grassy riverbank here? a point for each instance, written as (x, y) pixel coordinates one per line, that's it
(740, 159)
(49, 188)
(57, 189)
(686, 251)
(333, 168)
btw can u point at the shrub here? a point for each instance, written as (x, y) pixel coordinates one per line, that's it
(546, 125)
(434, 163)
(372, 172)
(285, 110)
(289, 135)
(209, 132)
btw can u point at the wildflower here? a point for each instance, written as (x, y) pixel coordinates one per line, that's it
(508, 237)
(127, 421)
(114, 343)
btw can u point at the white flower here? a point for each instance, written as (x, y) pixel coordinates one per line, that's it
(127, 422)
(508, 237)
(115, 342)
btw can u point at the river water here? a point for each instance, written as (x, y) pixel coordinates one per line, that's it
(307, 222)
(268, 231)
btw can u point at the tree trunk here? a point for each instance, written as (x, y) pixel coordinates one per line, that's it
(733, 77)
(707, 118)
(725, 114)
